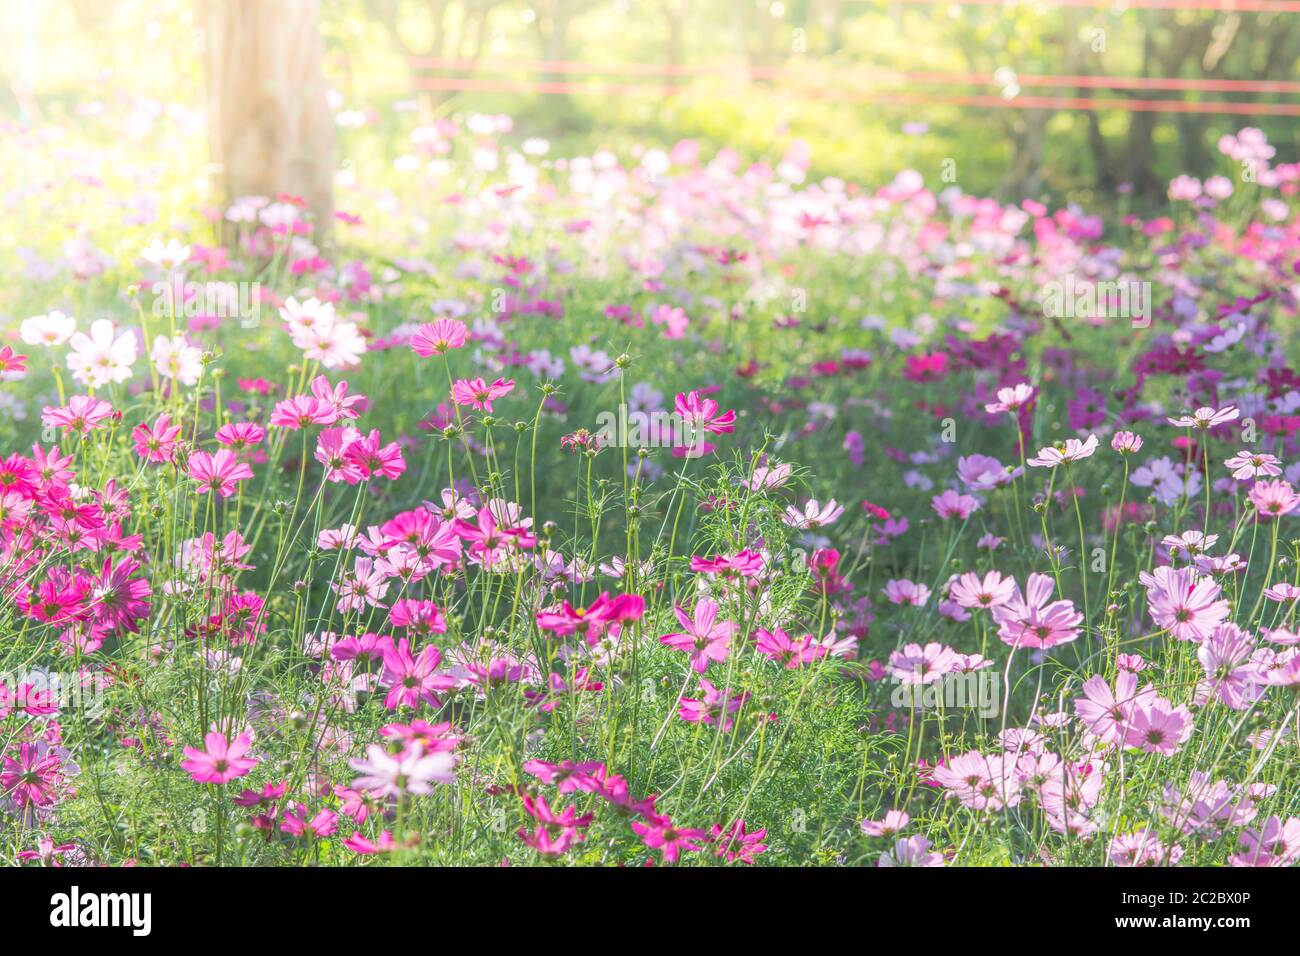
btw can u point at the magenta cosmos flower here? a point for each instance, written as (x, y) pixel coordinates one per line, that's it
(34, 777)
(218, 472)
(703, 635)
(660, 833)
(411, 680)
(477, 393)
(221, 761)
(435, 338)
(80, 415)
(156, 444)
(778, 646)
(702, 413)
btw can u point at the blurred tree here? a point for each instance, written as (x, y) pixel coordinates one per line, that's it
(270, 129)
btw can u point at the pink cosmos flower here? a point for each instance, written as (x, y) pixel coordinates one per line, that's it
(566, 776)
(302, 411)
(980, 782)
(984, 473)
(374, 460)
(435, 338)
(1106, 713)
(1230, 673)
(769, 478)
(1126, 443)
(156, 444)
(219, 472)
(295, 822)
(1033, 620)
(1142, 848)
(364, 585)
(1249, 464)
(1275, 843)
(1011, 400)
(914, 664)
(222, 761)
(893, 822)
(479, 394)
(743, 564)
(714, 708)
(993, 591)
(80, 415)
(903, 591)
(1273, 499)
(703, 635)
(911, 851)
(12, 364)
(1184, 602)
(1159, 727)
(331, 451)
(1207, 417)
(48, 853)
(359, 844)
(1073, 450)
(734, 843)
(240, 435)
(814, 515)
(950, 504)
(1284, 592)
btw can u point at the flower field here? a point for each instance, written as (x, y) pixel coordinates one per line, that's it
(649, 508)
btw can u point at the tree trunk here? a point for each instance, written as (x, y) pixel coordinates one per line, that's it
(269, 127)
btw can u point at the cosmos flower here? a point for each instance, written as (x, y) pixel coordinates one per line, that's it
(703, 635)
(221, 760)
(479, 394)
(437, 338)
(218, 471)
(1072, 451)
(102, 356)
(1207, 417)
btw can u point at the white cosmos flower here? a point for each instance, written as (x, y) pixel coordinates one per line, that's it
(335, 345)
(176, 358)
(409, 772)
(168, 256)
(302, 317)
(103, 356)
(51, 329)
